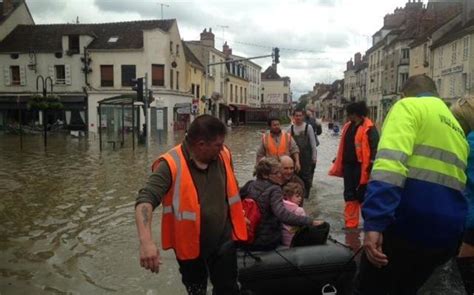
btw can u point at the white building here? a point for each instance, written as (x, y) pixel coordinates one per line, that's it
(92, 62)
(276, 90)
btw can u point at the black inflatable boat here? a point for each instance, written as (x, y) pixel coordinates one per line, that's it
(322, 269)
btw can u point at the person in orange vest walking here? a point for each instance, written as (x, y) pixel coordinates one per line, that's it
(355, 156)
(202, 210)
(277, 143)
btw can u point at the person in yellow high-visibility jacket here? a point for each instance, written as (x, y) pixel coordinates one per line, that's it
(414, 209)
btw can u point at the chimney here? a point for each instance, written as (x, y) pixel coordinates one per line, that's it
(226, 50)
(357, 58)
(7, 7)
(350, 65)
(207, 38)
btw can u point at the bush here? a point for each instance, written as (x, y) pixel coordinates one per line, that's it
(40, 103)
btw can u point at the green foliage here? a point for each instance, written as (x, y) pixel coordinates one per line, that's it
(40, 103)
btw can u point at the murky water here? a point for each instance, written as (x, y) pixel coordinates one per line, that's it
(67, 215)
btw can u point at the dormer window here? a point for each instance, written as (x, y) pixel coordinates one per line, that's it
(73, 44)
(113, 39)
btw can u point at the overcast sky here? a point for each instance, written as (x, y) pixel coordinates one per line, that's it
(316, 37)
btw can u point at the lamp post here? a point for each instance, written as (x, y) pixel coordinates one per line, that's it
(44, 82)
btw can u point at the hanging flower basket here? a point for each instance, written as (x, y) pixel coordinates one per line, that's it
(50, 102)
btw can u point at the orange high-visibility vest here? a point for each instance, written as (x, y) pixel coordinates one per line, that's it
(362, 147)
(181, 221)
(271, 148)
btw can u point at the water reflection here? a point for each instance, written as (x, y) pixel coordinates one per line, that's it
(67, 216)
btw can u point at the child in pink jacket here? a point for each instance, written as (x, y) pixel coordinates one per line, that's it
(293, 197)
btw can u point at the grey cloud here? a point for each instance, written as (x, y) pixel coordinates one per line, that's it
(41, 7)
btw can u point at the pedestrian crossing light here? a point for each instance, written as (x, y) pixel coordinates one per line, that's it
(137, 85)
(276, 55)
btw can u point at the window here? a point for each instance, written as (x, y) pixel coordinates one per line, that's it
(177, 80)
(285, 97)
(405, 53)
(193, 90)
(453, 49)
(158, 75)
(465, 54)
(171, 79)
(15, 75)
(438, 85)
(465, 81)
(425, 54)
(440, 57)
(451, 86)
(241, 95)
(198, 91)
(236, 94)
(245, 95)
(177, 49)
(261, 97)
(128, 73)
(171, 47)
(60, 74)
(107, 75)
(74, 43)
(403, 79)
(231, 92)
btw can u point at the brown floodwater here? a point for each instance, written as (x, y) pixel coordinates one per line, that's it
(67, 214)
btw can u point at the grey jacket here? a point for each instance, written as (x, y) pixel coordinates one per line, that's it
(269, 198)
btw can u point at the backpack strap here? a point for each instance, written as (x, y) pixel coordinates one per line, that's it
(306, 129)
(292, 131)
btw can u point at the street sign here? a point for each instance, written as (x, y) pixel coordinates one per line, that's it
(184, 110)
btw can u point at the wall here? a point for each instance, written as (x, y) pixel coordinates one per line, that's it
(20, 16)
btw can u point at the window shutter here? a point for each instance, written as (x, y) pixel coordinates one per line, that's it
(22, 75)
(67, 74)
(51, 73)
(6, 75)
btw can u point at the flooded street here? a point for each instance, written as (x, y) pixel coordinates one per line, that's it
(67, 215)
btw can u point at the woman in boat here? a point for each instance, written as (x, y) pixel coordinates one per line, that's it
(267, 193)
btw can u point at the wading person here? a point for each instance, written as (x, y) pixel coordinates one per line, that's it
(463, 110)
(276, 143)
(354, 159)
(414, 209)
(303, 134)
(202, 211)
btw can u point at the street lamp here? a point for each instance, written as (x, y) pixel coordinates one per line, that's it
(44, 84)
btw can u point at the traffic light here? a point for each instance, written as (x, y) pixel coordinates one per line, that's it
(137, 85)
(276, 55)
(151, 98)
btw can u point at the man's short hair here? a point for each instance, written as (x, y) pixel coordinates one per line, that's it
(298, 110)
(271, 119)
(418, 84)
(265, 166)
(207, 128)
(357, 108)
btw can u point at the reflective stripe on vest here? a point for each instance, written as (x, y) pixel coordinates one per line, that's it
(398, 179)
(176, 198)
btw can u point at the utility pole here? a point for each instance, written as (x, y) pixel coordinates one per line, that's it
(147, 115)
(163, 5)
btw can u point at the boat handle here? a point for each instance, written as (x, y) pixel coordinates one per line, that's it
(328, 289)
